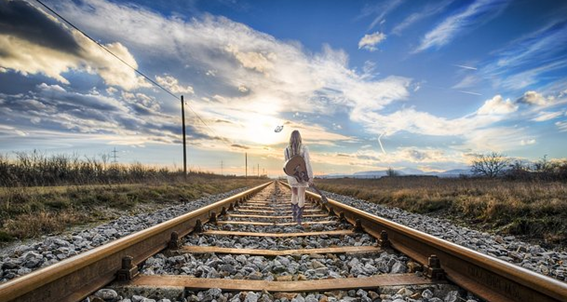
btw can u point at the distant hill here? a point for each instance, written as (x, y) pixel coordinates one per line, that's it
(401, 172)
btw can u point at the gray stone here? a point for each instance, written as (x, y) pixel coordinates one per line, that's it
(452, 296)
(251, 297)
(107, 294)
(427, 294)
(317, 264)
(10, 265)
(137, 298)
(311, 298)
(32, 259)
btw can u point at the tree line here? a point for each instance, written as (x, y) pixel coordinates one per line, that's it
(496, 164)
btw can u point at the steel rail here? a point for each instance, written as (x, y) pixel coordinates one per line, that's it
(487, 277)
(75, 278)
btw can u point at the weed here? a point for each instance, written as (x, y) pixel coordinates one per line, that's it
(535, 209)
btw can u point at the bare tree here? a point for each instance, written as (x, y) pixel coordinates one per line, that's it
(391, 172)
(490, 165)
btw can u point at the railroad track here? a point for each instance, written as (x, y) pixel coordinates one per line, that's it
(248, 243)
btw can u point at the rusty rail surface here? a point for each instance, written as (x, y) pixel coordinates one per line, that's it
(75, 278)
(487, 277)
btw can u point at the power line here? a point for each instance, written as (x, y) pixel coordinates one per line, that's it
(107, 50)
(126, 63)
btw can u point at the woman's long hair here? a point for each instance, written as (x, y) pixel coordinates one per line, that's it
(294, 143)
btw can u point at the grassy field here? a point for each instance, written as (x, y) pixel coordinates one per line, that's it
(533, 210)
(44, 194)
(27, 212)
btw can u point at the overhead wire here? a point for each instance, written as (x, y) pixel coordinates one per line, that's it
(130, 66)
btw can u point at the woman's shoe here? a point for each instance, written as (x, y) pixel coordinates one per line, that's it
(294, 211)
(299, 215)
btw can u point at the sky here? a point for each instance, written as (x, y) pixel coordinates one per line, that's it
(369, 84)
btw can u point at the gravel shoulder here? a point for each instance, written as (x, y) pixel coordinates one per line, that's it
(508, 248)
(22, 258)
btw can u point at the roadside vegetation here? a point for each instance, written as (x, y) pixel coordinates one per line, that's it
(528, 201)
(42, 194)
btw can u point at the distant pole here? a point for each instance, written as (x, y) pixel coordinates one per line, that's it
(258, 170)
(221, 167)
(246, 164)
(114, 155)
(184, 139)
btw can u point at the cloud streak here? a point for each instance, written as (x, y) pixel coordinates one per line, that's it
(472, 16)
(425, 12)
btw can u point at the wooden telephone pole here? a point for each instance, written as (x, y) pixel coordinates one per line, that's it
(184, 139)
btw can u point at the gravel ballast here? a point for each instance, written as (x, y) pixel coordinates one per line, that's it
(508, 248)
(280, 268)
(428, 293)
(19, 260)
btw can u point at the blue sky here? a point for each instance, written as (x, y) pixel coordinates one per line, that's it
(370, 84)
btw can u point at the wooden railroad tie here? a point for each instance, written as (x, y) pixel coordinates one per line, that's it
(280, 286)
(253, 234)
(280, 211)
(260, 252)
(257, 223)
(273, 217)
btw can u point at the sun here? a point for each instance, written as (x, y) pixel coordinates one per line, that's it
(260, 130)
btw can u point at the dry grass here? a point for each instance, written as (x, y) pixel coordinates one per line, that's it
(27, 212)
(533, 209)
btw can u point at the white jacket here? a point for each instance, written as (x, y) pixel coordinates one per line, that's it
(304, 152)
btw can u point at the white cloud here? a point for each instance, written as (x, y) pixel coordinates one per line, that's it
(533, 98)
(497, 139)
(546, 116)
(527, 142)
(473, 15)
(172, 84)
(497, 105)
(252, 60)
(370, 41)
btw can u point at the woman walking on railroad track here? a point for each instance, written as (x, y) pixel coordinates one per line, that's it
(294, 148)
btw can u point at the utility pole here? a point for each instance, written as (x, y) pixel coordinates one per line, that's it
(114, 161)
(258, 170)
(221, 167)
(246, 164)
(184, 139)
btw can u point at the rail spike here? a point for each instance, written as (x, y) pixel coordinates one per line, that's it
(128, 271)
(198, 228)
(383, 242)
(174, 242)
(433, 269)
(213, 217)
(358, 226)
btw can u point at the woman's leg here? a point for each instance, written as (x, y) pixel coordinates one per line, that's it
(300, 203)
(294, 196)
